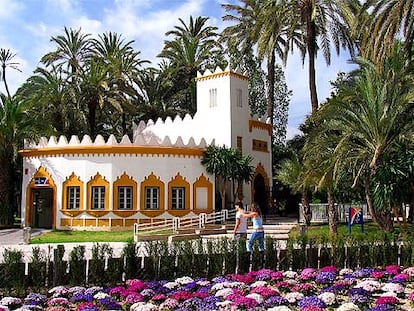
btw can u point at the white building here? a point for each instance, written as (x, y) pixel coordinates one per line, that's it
(84, 184)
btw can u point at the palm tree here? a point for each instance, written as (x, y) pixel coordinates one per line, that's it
(49, 91)
(191, 50)
(290, 173)
(228, 165)
(262, 23)
(370, 116)
(16, 124)
(390, 20)
(73, 49)
(6, 57)
(123, 65)
(318, 20)
(320, 168)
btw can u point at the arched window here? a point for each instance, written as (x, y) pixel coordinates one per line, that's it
(73, 197)
(152, 196)
(202, 195)
(125, 194)
(98, 194)
(178, 196)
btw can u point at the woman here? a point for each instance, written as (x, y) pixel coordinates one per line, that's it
(258, 232)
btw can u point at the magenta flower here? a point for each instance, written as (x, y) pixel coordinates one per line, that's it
(182, 295)
(389, 300)
(329, 269)
(393, 269)
(265, 292)
(135, 285)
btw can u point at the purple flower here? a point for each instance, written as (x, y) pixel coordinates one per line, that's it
(311, 301)
(325, 278)
(364, 272)
(275, 301)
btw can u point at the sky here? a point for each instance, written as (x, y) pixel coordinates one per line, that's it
(26, 27)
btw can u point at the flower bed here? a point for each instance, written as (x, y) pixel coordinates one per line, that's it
(328, 288)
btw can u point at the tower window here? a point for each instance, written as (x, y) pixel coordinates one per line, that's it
(213, 98)
(239, 98)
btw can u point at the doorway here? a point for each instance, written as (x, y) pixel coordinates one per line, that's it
(260, 193)
(42, 202)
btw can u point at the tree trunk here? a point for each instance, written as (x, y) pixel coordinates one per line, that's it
(382, 218)
(4, 80)
(311, 46)
(271, 86)
(332, 214)
(306, 210)
(6, 192)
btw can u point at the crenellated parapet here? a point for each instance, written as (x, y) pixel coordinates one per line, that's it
(141, 140)
(208, 74)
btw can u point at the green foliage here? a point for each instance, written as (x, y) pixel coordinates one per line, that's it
(77, 266)
(37, 273)
(12, 269)
(102, 268)
(130, 260)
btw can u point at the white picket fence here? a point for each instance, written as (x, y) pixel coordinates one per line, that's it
(177, 223)
(320, 212)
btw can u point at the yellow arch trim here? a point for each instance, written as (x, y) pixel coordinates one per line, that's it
(203, 182)
(41, 172)
(179, 181)
(260, 170)
(97, 181)
(152, 181)
(72, 181)
(127, 181)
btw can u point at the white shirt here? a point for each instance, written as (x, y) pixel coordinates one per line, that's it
(243, 223)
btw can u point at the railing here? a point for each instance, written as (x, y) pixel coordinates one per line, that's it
(176, 223)
(320, 212)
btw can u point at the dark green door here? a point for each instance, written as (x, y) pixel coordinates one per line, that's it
(42, 208)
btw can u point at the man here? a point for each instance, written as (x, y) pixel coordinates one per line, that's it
(240, 228)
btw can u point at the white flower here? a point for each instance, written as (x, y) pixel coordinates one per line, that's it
(279, 308)
(100, 295)
(223, 292)
(203, 283)
(348, 306)
(10, 301)
(171, 285)
(292, 297)
(222, 285)
(389, 294)
(223, 304)
(393, 287)
(143, 306)
(328, 298)
(256, 297)
(369, 285)
(290, 274)
(184, 280)
(345, 271)
(259, 283)
(409, 271)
